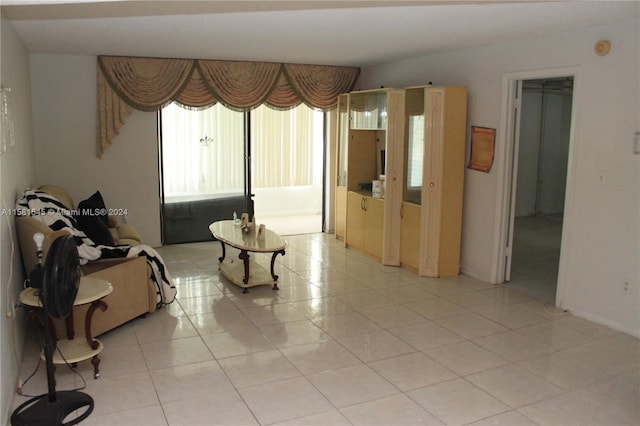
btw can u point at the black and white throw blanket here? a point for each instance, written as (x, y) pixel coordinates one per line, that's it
(56, 216)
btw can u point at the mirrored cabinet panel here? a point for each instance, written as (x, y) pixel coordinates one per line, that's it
(414, 146)
(343, 135)
(368, 109)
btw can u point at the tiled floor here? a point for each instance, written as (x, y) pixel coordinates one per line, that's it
(536, 256)
(349, 341)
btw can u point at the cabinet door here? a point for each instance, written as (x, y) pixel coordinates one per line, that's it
(394, 177)
(445, 135)
(411, 235)
(373, 226)
(453, 165)
(355, 218)
(432, 183)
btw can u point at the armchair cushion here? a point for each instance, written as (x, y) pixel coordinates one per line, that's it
(128, 232)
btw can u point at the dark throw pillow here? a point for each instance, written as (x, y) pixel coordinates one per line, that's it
(92, 219)
(95, 205)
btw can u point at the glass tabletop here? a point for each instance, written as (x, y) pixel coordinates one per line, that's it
(231, 233)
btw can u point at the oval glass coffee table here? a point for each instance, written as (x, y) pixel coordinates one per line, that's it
(247, 273)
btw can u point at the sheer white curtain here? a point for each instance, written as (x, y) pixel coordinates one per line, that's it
(286, 147)
(287, 150)
(192, 167)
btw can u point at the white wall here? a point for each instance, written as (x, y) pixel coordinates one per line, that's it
(604, 233)
(65, 123)
(17, 171)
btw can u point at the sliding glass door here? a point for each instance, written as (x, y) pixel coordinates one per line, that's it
(214, 161)
(204, 167)
(287, 168)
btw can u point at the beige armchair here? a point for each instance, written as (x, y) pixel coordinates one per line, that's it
(134, 293)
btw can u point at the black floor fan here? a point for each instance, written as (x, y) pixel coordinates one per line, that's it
(59, 289)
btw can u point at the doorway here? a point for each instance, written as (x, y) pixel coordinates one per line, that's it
(543, 154)
(539, 119)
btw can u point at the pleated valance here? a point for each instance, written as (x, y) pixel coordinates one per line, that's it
(149, 84)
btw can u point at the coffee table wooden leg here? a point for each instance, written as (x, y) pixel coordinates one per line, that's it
(273, 274)
(244, 255)
(221, 258)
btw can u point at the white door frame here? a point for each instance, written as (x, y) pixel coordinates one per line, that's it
(507, 169)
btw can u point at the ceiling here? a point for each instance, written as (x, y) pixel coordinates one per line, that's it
(358, 33)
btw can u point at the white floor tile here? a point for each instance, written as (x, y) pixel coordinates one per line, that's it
(152, 415)
(209, 409)
(392, 410)
(284, 400)
(510, 418)
(569, 409)
(346, 324)
(190, 381)
(512, 346)
(170, 353)
(554, 335)
(426, 335)
(412, 371)
(471, 325)
(113, 394)
(457, 402)
(513, 385)
(320, 356)
(332, 417)
(393, 316)
(563, 371)
(258, 368)
(234, 342)
(375, 345)
(352, 385)
(465, 358)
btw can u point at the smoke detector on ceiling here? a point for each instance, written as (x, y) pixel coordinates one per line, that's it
(603, 47)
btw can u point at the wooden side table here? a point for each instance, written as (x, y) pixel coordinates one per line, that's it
(91, 290)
